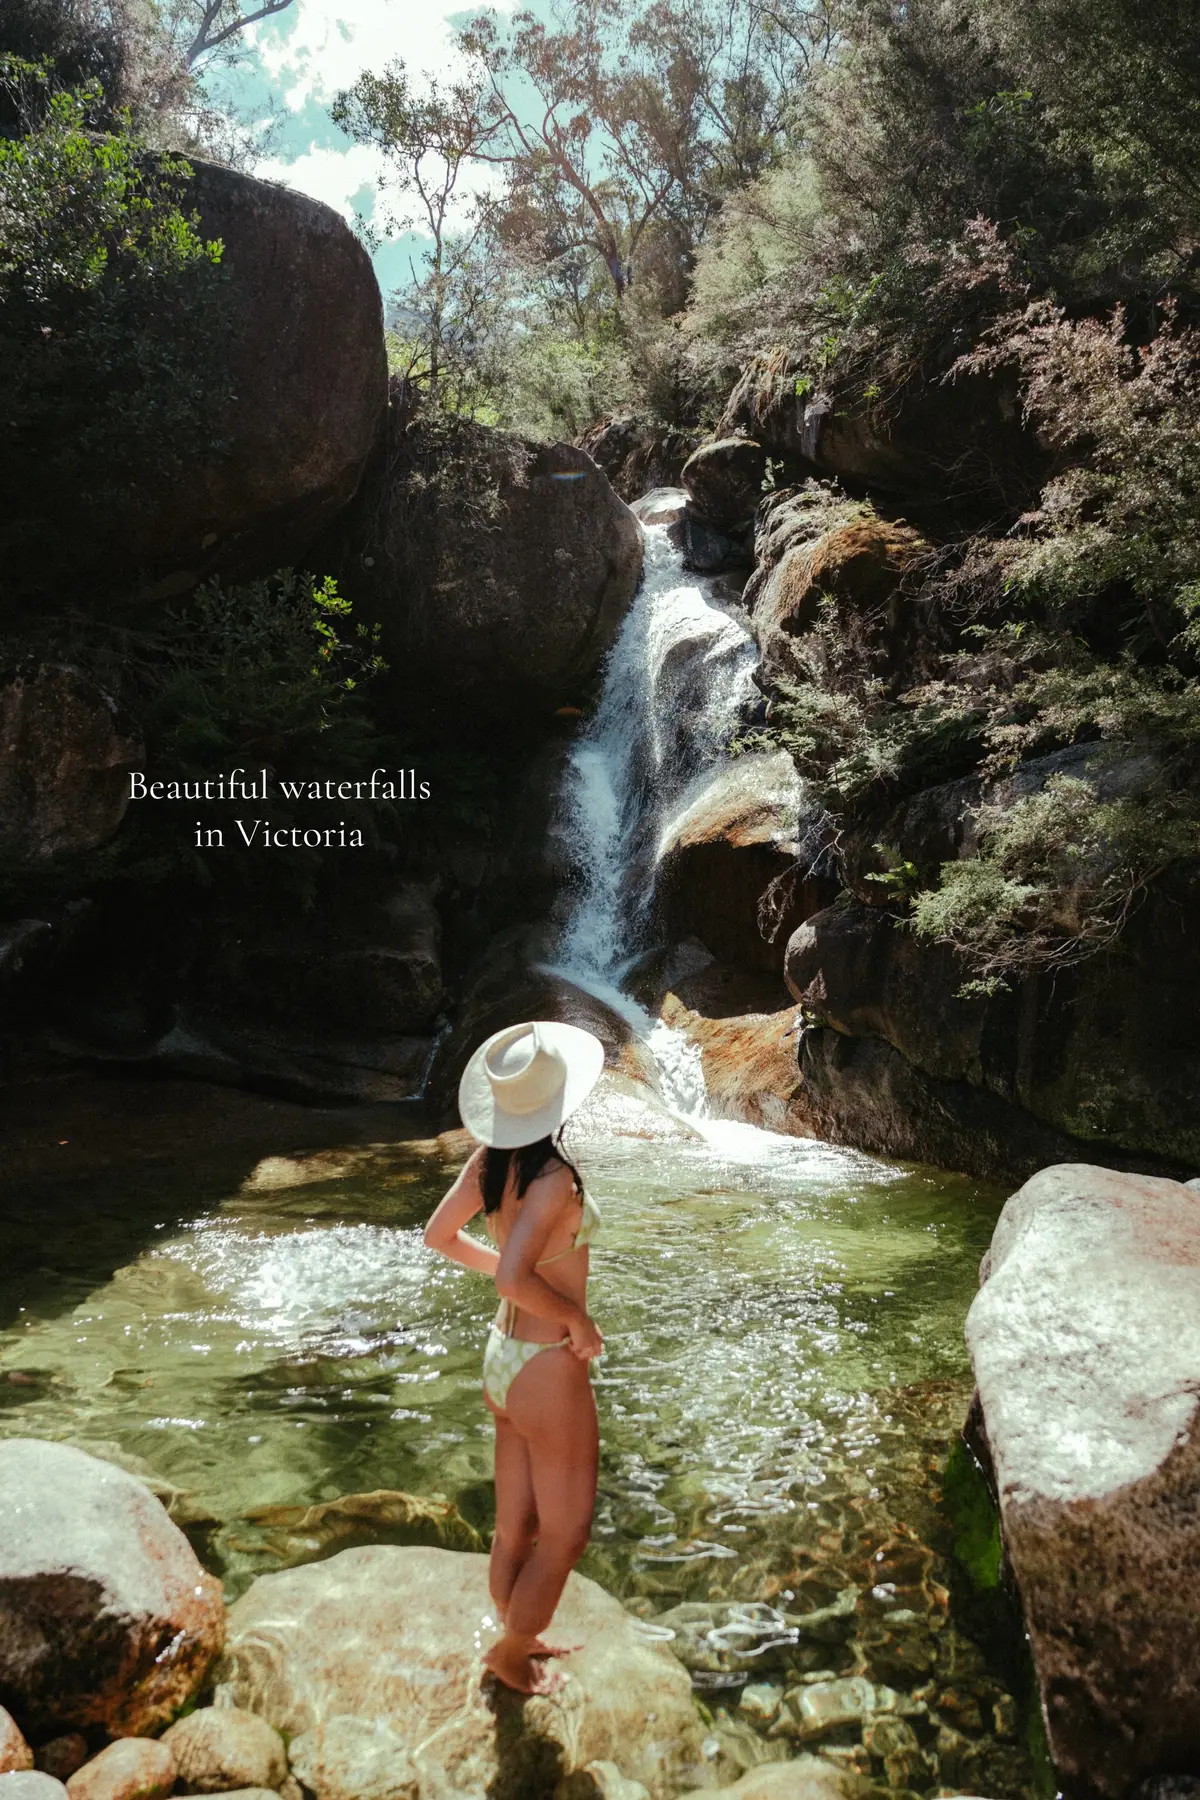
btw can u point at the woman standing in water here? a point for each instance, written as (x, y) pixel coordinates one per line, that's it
(515, 1094)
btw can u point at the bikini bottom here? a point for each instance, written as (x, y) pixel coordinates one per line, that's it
(504, 1358)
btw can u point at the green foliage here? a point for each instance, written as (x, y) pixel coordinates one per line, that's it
(270, 673)
(1054, 877)
(109, 313)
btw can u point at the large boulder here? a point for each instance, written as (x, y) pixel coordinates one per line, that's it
(499, 570)
(638, 455)
(305, 360)
(65, 762)
(1085, 1337)
(370, 1666)
(724, 480)
(860, 565)
(960, 442)
(106, 1617)
(727, 861)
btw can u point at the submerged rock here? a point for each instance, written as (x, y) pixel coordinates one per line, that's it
(106, 1616)
(134, 1768)
(302, 1532)
(1085, 1337)
(807, 1778)
(370, 1665)
(813, 1712)
(219, 1749)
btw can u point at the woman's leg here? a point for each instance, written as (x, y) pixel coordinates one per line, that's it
(551, 1407)
(516, 1513)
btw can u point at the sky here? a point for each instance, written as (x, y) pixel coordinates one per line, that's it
(297, 61)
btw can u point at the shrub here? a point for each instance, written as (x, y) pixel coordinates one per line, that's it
(110, 306)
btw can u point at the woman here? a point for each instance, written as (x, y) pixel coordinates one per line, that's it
(514, 1096)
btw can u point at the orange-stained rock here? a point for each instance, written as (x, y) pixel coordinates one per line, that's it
(14, 1751)
(106, 1616)
(727, 862)
(134, 1768)
(222, 1748)
(860, 565)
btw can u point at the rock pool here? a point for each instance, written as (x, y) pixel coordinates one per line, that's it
(783, 1379)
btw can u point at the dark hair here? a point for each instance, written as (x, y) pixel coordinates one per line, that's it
(530, 1160)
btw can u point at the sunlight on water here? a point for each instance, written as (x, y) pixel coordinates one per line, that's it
(783, 1373)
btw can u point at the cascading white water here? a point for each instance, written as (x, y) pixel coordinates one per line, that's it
(674, 684)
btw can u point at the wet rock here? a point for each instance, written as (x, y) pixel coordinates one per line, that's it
(807, 1778)
(727, 861)
(599, 1781)
(812, 1712)
(30, 1784)
(705, 549)
(1085, 1337)
(299, 1533)
(305, 1652)
(61, 1756)
(499, 570)
(219, 1749)
(15, 1753)
(106, 1616)
(661, 506)
(134, 1768)
(724, 480)
(65, 759)
(893, 1742)
(760, 1702)
(637, 455)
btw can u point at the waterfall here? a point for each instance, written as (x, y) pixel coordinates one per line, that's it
(674, 685)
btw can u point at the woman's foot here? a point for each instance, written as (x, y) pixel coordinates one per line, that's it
(512, 1662)
(540, 1648)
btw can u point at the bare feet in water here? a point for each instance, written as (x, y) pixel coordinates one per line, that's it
(516, 1662)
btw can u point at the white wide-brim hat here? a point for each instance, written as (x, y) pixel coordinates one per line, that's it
(525, 1080)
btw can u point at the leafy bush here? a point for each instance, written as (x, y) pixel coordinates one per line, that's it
(1055, 877)
(110, 304)
(270, 673)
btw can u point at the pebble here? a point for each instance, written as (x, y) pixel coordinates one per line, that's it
(221, 1749)
(15, 1754)
(30, 1784)
(760, 1702)
(129, 1769)
(809, 1713)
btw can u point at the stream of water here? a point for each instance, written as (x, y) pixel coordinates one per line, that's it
(784, 1370)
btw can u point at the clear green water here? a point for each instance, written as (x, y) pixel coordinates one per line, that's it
(784, 1375)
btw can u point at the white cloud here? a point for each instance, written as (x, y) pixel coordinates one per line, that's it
(333, 176)
(319, 46)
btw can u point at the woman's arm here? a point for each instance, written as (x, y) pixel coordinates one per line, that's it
(518, 1281)
(444, 1231)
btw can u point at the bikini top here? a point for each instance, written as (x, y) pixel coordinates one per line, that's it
(586, 1230)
